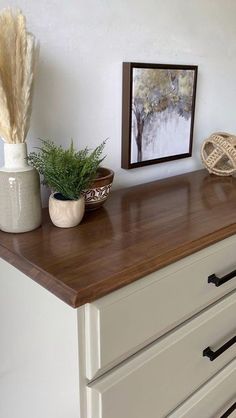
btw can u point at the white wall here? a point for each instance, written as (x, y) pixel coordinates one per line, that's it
(83, 44)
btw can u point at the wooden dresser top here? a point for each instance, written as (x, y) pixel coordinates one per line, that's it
(140, 229)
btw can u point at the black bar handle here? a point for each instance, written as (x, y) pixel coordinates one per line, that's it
(229, 411)
(218, 281)
(212, 355)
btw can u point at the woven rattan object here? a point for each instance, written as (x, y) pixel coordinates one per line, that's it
(219, 154)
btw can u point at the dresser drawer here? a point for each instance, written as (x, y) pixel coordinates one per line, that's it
(155, 381)
(120, 324)
(214, 399)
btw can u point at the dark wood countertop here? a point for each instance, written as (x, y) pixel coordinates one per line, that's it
(140, 229)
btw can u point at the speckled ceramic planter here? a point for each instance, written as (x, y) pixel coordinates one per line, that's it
(99, 190)
(66, 213)
(20, 201)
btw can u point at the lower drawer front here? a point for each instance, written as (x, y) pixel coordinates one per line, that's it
(213, 400)
(157, 380)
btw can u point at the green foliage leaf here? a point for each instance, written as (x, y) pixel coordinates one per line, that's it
(66, 171)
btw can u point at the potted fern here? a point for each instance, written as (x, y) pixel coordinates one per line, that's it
(67, 172)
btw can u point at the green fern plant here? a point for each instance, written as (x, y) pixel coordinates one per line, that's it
(66, 171)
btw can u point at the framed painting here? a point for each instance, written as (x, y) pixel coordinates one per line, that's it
(158, 113)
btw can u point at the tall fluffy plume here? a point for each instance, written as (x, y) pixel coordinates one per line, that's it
(18, 55)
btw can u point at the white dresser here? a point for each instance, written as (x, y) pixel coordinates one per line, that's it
(130, 315)
(135, 353)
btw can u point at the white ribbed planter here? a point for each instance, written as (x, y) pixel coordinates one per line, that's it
(66, 213)
(20, 209)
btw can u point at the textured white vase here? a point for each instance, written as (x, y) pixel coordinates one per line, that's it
(20, 200)
(15, 157)
(66, 213)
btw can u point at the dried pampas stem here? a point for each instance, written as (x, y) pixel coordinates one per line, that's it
(18, 55)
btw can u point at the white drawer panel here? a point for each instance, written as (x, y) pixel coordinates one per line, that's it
(120, 324)
(154, 382)
(213, 399)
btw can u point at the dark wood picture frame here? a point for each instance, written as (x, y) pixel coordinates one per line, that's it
(127, 112)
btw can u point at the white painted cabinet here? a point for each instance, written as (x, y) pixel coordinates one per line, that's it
(136, 353)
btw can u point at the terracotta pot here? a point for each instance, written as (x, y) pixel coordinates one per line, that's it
(66, 213)
(99, 190)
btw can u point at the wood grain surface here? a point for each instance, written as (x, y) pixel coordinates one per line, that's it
(140, 229)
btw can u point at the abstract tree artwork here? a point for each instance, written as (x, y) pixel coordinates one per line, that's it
(158, 113)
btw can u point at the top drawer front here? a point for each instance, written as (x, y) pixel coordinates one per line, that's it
(121, 323)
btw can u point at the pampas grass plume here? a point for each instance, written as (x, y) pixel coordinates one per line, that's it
(18, 57)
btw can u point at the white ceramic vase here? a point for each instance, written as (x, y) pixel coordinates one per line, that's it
(20, 200)
(66, 213)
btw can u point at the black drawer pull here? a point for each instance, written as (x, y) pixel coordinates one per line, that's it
(229, 411)
(218, 281)
(212, 355)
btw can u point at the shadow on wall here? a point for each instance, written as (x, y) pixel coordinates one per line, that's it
(54, 117)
